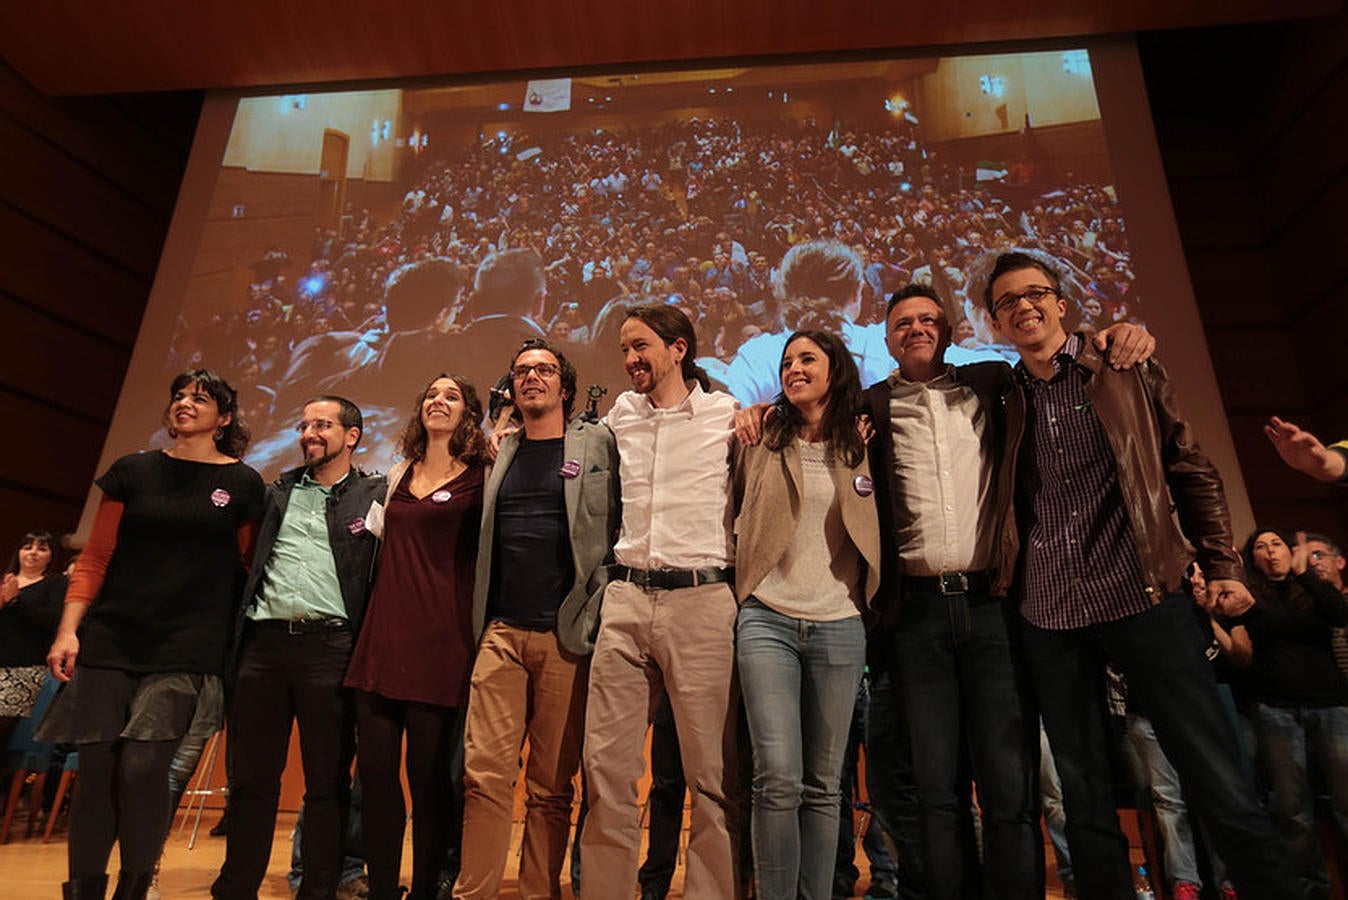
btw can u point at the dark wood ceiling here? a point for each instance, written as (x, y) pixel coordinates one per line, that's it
(75, 47)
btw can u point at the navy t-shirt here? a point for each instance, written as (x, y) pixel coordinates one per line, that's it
(532, 569)
(173, 585)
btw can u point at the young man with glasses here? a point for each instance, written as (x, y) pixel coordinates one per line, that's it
(550, 513)
(1103, 459)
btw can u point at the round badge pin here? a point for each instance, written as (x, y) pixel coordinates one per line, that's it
(864, 486)
(357, 526)
(220, 497)
(441, 496)
(570, 468)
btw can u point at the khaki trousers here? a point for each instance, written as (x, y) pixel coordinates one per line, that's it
(683, 640)
(524, 685)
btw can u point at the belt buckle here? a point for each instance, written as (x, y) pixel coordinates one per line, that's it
(959, 579)
(294, 626)
(640, 577)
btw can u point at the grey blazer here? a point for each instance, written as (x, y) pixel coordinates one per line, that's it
(593, 514)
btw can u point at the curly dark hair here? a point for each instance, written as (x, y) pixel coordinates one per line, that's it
(845, 401)
(232, 438)
(466, 443)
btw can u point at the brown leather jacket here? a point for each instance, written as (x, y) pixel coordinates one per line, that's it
(1163, 474)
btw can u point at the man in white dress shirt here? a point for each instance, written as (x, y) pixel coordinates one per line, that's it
(668, 616)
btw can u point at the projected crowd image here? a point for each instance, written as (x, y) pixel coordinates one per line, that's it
(456, 222)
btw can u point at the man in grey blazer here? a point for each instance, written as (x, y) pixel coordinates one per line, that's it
(549, 517)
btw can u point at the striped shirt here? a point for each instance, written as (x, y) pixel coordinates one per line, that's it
(1081, 562)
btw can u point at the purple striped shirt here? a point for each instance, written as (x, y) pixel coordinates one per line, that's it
(1081, 563)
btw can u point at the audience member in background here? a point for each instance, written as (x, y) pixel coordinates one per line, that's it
(32, 596)
(145, 634)
(411, 663)
(1303, 451)
(807, 564)
(550, 514)
(302, 609)
(1326, 558)
(1301, 708)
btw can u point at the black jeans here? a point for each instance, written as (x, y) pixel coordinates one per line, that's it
(282, 679)
(1159, 653)
(966, 693)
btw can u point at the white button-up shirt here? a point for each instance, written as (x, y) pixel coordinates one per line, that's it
(943, 476)
(675, 468)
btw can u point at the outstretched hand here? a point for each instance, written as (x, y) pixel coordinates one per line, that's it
(1303, 451)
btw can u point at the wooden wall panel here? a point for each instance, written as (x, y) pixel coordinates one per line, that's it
(86, 192)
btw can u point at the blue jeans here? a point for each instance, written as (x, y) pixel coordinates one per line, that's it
(1158, 777)
(965, 691)
(1287, 737)
(1159, 652)
(799, 680)
(1055, 819)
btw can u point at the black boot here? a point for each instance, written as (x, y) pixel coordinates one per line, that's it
(85, 887)
(132, 886)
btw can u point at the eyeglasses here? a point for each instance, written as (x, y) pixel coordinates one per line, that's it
(315, 424)
(1317, 555)
(1036, 295)
(544, 370)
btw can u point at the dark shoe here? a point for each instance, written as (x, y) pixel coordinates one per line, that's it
(132, 886)
(654, 892)
(221, 828)
(85, 887)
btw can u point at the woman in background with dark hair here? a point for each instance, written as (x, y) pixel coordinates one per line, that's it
(31, 597)
(1301, 696)
(412, 659)
(147, 618)
(807, 563)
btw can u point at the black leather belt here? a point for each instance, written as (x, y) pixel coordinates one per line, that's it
(951, 582)
(302, 626)
(670, 579)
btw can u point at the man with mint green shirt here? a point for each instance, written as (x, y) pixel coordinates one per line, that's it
(302, 607)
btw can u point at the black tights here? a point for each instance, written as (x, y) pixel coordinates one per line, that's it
(123, 798)
(431, 734)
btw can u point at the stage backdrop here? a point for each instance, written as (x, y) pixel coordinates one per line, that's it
(360, 242)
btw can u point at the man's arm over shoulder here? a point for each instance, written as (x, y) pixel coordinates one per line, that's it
(1195, 485)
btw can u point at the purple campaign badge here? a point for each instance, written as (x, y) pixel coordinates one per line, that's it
(864, 486)
(441, 496)
(220, 497)
(357, 526)
(570, 468)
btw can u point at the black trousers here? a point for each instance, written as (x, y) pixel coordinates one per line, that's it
(286, 678)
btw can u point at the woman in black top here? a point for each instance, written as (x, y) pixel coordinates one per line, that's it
(1301, 696)
(31, 595)
(144, 635)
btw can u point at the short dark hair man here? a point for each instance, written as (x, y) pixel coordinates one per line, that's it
(550, 514)
(303, 603)
(1103, 457)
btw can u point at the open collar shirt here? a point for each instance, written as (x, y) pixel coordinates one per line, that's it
(675, 473)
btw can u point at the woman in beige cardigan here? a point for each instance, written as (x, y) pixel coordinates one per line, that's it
(807, 563)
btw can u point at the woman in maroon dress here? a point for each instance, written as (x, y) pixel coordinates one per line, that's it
(412, 660)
